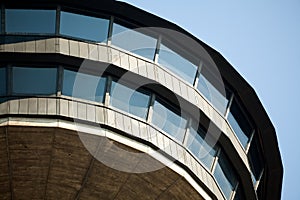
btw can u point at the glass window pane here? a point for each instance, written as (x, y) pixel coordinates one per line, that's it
(255, 159)
(133, 41)
(212, 94)
(169, 121)
(177, 64)
(225, 175)
(2, 81)
(129, 100)
(34, 80)
(85, 27)
(83, 86)
(199, 147)
(239, 123)
(30, 21)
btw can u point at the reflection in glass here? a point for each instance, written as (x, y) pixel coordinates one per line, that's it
(83, 86)
(27, 80)
(168, 120)
(29, 21)
(132, 101)
(2, 81)
(212, 94)
(84, 27)
(225, 175)
(239, 124)
(133, 41)
(199, 147)
(177, 64)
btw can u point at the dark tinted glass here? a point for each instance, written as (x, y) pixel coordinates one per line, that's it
(83, 86)
(2, 81)
(34, 80)
(199, 147)
(133, 41)
(29, 21)
(129, 100)
(177, 64)
(239, 123)
(168, 120)
(255, 159)
(84, 27)
(225, 175)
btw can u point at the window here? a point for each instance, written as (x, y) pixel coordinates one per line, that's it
(210, 92)
(225, 175)
(133, 41)
(30, 21)
(85, 86)
(255, 160)
(239, 124)
(132, 101)
(2, 81)
(27, 80)
(168, 119)
(200, 147)
(84, 27)
(177, 64)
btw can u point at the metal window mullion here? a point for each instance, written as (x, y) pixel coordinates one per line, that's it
(213, 167)
(157, 48)
(59, 81)
(57, 26)
(110, 30)
(198, 73)
(150, 108)
(258, 181)
(9, 80)
(107, 91)
(229, 105)
(234, 191)
(2, 19)
(250, 141)
(187, 130)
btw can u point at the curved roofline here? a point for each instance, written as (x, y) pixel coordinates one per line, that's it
(243, 90)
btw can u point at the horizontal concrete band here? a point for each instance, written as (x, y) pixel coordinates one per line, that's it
(135, 64)
(108, 116)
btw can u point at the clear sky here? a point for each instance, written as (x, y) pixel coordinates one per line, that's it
(261, 39)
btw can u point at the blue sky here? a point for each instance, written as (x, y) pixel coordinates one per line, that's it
(261, 39)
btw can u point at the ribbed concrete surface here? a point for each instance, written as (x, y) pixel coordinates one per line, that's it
(52, 163)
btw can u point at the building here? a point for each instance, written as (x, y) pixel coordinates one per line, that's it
(102, 100)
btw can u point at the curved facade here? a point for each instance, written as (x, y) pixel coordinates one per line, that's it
(101, 100)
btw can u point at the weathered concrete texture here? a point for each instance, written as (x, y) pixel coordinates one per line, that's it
(52, 163)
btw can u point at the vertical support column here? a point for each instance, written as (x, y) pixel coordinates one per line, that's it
(196, 79)
(150, 108)
(110, 30)
(107, 91)
(57, 25)
(156, 54)
(187, 129)
(213, 166)
(250, 141)
(2, 19)
(229, 105)
(234, 191)
(9, 80)
(60, 78)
